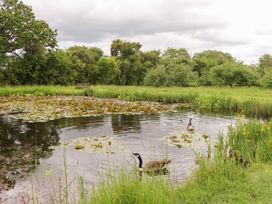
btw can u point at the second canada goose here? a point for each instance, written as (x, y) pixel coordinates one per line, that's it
(190, 127)
(156, 167)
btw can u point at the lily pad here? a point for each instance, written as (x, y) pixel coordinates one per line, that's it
(181, 139)
(45, 108)
(101, 144)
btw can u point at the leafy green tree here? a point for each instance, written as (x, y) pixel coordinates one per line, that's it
(23, 39)
(2, 81)
(150, 59)
(129, 56)
(172, 57)
(20, 31)
(234, 75)
(266, 80)
(265, 64)
(203, 61)
(58, 69)
(182, 75)
(84, 62)
(156, 77)
(108, 70)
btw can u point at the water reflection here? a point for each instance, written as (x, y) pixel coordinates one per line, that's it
(22, 145)
(125, 123)
(82, 123)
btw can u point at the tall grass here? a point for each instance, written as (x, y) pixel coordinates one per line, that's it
(40, 91)
(134, 93)
(128, 188)
(250, 142)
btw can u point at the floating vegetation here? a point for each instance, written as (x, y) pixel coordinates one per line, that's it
(79, 146)
(178, 139)
(45, 108)
(102, 144)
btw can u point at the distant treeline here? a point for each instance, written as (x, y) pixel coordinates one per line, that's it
(29, 55)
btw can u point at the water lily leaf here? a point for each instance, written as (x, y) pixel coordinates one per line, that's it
(44, 108)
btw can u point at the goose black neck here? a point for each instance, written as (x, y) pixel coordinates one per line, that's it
(140, 162)
(190, 122)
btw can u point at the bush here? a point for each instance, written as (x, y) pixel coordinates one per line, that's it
(266, 80)
(182, 75)
(156, 77)
(234, 75)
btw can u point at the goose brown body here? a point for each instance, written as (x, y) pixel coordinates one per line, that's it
(156, 167)
(190, 127)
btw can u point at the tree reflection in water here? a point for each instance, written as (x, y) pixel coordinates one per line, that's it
(22, 145)
(125, 123)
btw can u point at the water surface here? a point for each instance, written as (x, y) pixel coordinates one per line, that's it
(137, 133)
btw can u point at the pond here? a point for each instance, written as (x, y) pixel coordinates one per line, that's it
(32, 155)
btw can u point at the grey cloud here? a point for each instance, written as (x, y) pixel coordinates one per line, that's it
(93, 22)
(218, 37)
(193, 24)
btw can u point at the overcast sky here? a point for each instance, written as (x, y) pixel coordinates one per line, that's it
(240, 27)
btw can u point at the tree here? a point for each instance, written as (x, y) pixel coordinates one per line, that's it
(23, 39)
(58, 69)
(265, 64)
(234, 75)
(20, 32)
(84, 61)
(266, 80)
(108, 70)
(182, 75)
(174, 56)
(129, 56)
(150, 59)
(203, 61)
(156, 77)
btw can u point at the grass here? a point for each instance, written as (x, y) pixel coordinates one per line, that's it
(40, 91)
(222, 180)
(251, 101)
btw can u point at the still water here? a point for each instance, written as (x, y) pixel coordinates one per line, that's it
(19, 141)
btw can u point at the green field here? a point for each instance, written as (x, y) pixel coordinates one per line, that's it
(132, 92)
(250, 101)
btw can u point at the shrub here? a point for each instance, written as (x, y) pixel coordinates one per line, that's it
(156, 77)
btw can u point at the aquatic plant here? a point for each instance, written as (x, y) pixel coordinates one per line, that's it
(45, 108)
(250, 142)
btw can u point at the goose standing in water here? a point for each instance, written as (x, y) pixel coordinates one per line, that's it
(190, 127)
(153, 168)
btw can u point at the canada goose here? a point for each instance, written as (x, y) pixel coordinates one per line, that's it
(153, 168)
(190, 127)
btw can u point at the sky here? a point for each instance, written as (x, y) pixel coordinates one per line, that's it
(239, 27)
